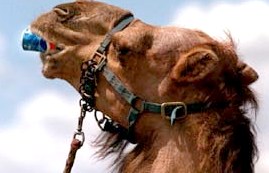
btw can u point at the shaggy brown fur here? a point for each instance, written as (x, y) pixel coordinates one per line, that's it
(159, 64)
(227, 136)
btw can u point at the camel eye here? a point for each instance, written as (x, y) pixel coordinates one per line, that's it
(123, 51)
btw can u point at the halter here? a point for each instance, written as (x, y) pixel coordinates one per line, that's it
(97, 64)
(88, 80)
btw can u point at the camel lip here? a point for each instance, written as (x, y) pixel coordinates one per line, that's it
(52, 52)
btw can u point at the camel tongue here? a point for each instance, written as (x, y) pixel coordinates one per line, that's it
(33, 42)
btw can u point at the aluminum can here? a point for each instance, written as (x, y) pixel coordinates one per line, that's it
(33, 42)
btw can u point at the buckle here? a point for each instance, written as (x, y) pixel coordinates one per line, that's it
(168, 107)
(100, 63)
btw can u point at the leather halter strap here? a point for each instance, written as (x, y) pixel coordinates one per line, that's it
(124, 22)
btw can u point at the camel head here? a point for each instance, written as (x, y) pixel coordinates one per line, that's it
(77, 29)
(157, 64)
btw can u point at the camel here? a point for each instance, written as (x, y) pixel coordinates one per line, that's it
(182, 97)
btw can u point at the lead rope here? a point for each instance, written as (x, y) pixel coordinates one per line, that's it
(77, 142)
(86, 89)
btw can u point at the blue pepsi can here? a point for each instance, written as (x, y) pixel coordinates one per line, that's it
(33, 42)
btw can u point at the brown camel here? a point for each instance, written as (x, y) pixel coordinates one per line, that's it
(192, 91)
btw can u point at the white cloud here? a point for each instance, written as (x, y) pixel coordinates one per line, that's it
(2, 56)
(2, 43)
(246, 21)
(40, 138)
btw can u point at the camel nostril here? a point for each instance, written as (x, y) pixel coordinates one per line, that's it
(64, 13)
(61, 11)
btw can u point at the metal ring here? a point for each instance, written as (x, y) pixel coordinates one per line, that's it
(175, 104)
(100, 121)
(82, 137)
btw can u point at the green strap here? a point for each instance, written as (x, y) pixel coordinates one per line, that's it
(192, 108)
(174, 115)
(118, 86)
(124, 23)
(151, 107)
(132, 117)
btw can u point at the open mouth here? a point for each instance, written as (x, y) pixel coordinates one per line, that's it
(51, 55)
(53, 49)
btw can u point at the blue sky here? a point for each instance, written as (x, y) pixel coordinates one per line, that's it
(37, 115)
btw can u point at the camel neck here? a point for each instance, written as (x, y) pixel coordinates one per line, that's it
(202, 143)
(163, 156)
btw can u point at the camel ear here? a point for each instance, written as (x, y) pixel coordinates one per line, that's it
(195, 65)
(247, 74)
